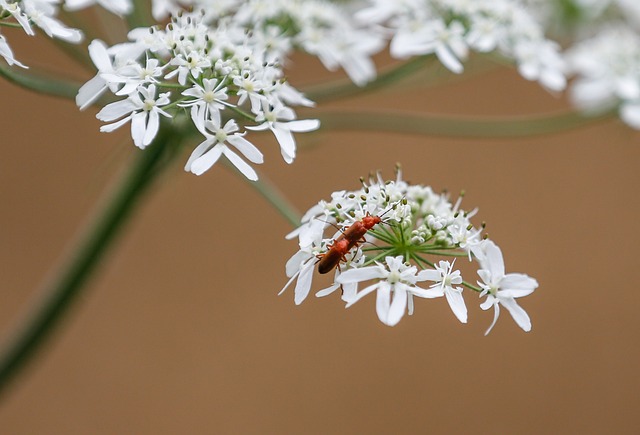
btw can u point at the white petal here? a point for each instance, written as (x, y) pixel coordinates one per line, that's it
(488, 303)
(429, 275)
(249, 150)
(153, 124)
(288, 283)
(448, 59)
(261, 127)
(456, 302)
(304, 283)
(349, 292)
(116, 110)
(383, 302)
(360, 70)
(518, 313)
(496, 314)
(431, 293)
(360, 274)
(630, 114)
(398, 305)
(410, 304)
(242, 166)
(493, 260)
(138, 128)
(517, 285)
(286, 141)
(327, 291)
(111, 127)
(303, 125)
(90, 92)
(295, 263)
(365, 291)
(206, 161)
(100, 56)
(198, 152)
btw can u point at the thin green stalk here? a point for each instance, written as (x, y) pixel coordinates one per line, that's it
(471, 287)
(40, 82)
(141, 15)
(272, 194)
(56, 299)
(346, 88)
(446, 254)
(460, 127)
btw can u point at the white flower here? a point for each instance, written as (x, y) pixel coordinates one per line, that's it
(500, 288)
(434, 36)
(607, 69)
(19, 15)
(160, 9)
(301, 265)
(349, 48)
(404, 224)
(541, 61)
(215, 145)
(193, 63)
(630, 114)
(142, 109)
(396, 281)
(133, 75)
(41, 12)
(445, 278)
(118, 7)
(281, 121)
(94, 88)
(210, 99)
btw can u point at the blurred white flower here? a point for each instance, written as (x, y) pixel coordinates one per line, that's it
(500, 288)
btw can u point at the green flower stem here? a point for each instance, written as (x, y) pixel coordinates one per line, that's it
(471, 287)
(446, 254)
(460, 127)
(141, 15)
(59, 294)
(272, 194)
(43, 83)
(10, 24)
(346, 88)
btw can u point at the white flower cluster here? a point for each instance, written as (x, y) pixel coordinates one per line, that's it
(225, 74)
(319, 27)
(602, 51)
(34, 13)
(451, 28)
(607, 69)
(383, 234)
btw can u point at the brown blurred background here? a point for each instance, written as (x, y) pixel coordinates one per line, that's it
(181, 331)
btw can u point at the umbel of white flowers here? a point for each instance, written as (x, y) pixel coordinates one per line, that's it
(394, 255)
(604, 55)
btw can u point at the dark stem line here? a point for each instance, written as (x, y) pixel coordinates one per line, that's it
(456, 126)
(58, 295)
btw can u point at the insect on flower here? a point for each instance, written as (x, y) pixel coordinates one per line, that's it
(350, 238)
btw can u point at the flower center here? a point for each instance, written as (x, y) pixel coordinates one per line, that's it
(208, 97)
(394, 277)
(221, 135)
(149, 104)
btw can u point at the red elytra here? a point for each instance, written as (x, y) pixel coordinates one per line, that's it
(349, 239)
